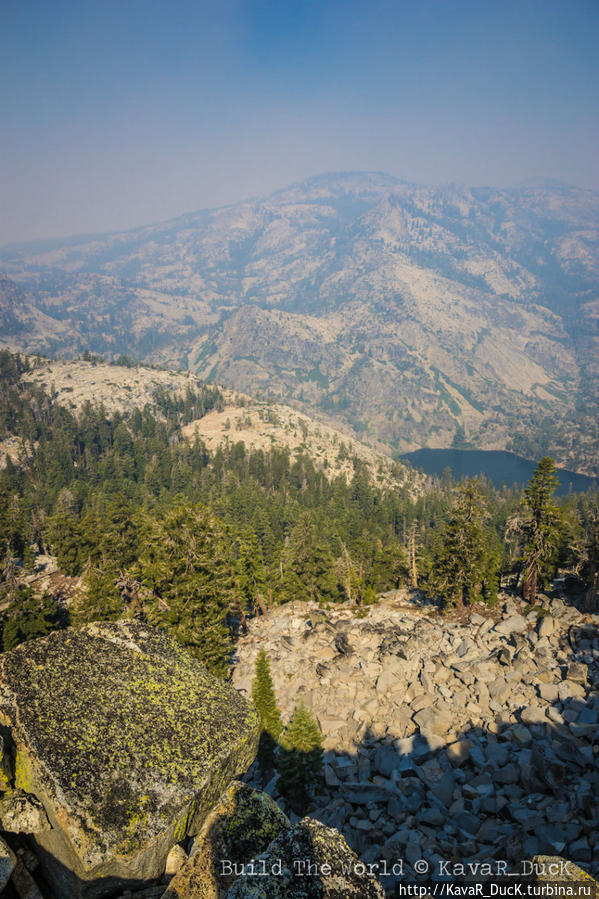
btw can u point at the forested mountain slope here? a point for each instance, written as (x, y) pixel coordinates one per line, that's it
(409, 312)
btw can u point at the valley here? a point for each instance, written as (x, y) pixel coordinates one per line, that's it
(415, 316)
(159, 530)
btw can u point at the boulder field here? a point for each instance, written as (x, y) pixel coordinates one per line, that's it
(468, 736)
(127, 771)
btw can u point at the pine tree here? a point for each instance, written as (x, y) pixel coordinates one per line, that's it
(541, 529)
(186, 572)
(250, 574)
(464, 565)
(263, 697)
(309, 565)
(29, 617)
(299, 759)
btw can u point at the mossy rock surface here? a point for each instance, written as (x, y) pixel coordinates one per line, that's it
(242, 825)
(338, 873)
(555, 869)
(125, 738)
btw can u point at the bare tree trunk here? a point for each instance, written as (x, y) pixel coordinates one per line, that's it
(413, 569)
(529, 587)
(242, 618)
(589, 600)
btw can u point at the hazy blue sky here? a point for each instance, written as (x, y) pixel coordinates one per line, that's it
(115, 113)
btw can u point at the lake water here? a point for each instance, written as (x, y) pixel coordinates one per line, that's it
(499, 466)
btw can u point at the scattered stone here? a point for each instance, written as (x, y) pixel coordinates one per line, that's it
(545, 626)
(458, 753)
(533, 715)
(515, 624)
(548, 692)
(530, 729)
(577, 672)
(521, 734)
(435, 719)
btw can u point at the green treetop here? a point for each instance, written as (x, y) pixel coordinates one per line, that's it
(465, 563)
(541, 527)
(263, 697)
(300, 758)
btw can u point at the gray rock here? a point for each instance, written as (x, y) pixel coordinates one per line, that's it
(21, 812)
(588, 716)
(458, 753)
(467, 822)
(422, 701)
(533, 715)
(330, 778)
(521, 734)
(443, 789)
(580, 851)
(545, 626)
(435, 719)
(548, 692)
(388, 682)
(432, 816)
(588, 731)
(8, 861)
(515, 624)
(497, 753)
(509, 774)
(570, 690)
(362, 794)
(413, 851)
(499, 690)
(577, 672)
(477, 756)
(386, 760)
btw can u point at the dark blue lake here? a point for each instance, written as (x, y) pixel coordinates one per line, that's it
(499, 466)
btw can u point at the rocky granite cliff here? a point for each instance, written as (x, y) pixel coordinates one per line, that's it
(406, 311)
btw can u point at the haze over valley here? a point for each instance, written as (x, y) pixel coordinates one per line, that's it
(419, 316)
(299, 449)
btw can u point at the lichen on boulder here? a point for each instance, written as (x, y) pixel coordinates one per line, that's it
(242, 825)
(307, 861)
(550, 869)
(126, 740)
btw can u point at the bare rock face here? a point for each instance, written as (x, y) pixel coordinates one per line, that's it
(127, 742)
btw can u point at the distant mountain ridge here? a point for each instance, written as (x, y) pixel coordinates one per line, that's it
(420, 316)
